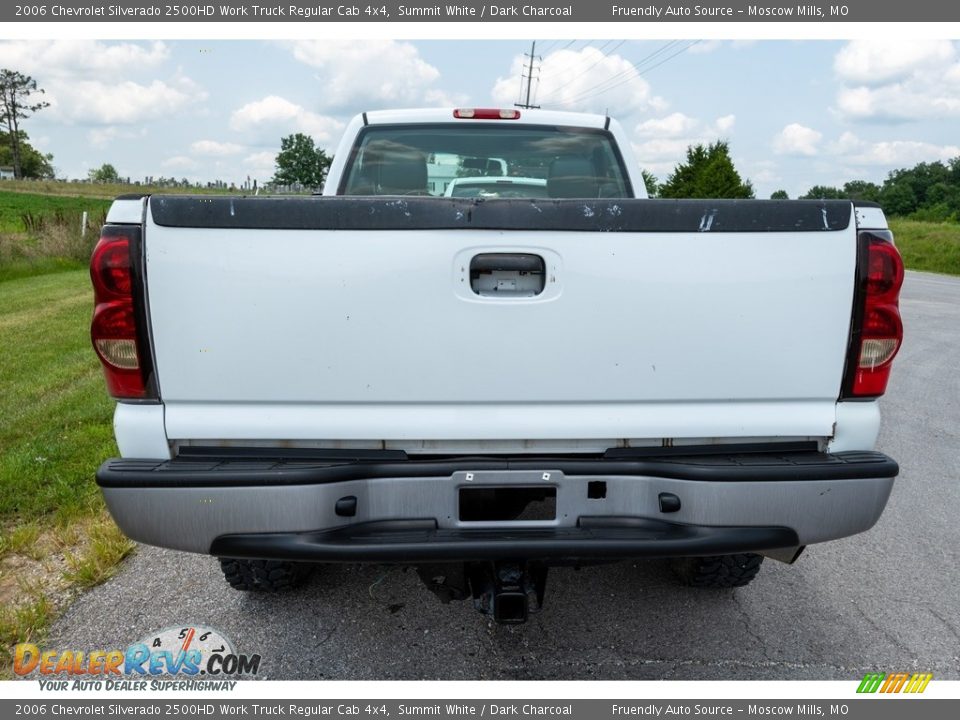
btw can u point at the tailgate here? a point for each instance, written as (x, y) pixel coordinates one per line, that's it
(357, 318)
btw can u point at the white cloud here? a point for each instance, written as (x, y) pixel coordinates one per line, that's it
(260, 164)
(872, 62)
(896, 81)
(579, 80)
(179, 162)
(674, 125)
(725, 124)
(796, 139)
(847, 144)
(709, 46)
(272, 117)
(212, 148)
(103, 136)
(666, 139)
(121, 103)
(889, 154)
(901, 101)
(92, 82)
(70, 59)
(763, 171)
(371, 74)
(706, 46)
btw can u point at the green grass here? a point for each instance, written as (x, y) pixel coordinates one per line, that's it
(55, 429)
(27, 622)
(23, 539)
(32, 267)
(99, 559)
(932, 247)
(104, 191)
(15, 205)
(54, 412)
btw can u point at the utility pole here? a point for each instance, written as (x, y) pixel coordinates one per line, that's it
(529, 76)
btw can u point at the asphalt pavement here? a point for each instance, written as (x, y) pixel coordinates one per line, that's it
(886, 600)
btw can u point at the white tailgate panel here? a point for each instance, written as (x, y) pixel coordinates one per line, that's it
(301, 334)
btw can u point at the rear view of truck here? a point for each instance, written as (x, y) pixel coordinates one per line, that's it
(485, 386)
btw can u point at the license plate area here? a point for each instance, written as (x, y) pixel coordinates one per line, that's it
(512, 503)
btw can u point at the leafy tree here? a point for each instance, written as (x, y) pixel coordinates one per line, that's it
(945, 197)
(955, 171)
(823, 192)
(17, 102)
(861, 190)
(707, 173)
(651, 182)
(898, 198)
(927, 191)
(106, 173)
(779, 195)
(919, 178)
(301, 162)
(33, 163)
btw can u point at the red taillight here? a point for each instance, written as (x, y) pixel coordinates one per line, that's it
(878, 330)
(486, 114)
(110, 268)
(114, 326)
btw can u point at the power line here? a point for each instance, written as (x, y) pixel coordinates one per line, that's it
(565, 67)
(592, 65)
(546, 49)
(633, 71)
(636, 66)
(605, 86)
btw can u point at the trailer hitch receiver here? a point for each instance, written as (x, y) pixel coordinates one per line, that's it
(508, 591)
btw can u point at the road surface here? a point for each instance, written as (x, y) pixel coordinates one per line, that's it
(887, 600)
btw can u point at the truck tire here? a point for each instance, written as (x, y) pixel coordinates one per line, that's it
(264, 575)
(718, 571)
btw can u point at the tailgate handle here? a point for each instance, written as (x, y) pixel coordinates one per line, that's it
(507, 274)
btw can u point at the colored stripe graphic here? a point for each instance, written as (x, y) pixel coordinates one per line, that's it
(918, 682)
(894, 682)
(871, 683)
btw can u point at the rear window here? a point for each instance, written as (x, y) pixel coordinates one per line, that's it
(485, 160)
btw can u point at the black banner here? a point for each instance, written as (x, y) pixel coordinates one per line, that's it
(636, 11)
(212, 708)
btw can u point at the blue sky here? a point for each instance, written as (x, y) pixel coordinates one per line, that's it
(796, 113)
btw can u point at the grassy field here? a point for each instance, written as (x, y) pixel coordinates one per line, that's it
(20, 212)
(55, 428)
(932, 247)
(42, 234)
(104, 191)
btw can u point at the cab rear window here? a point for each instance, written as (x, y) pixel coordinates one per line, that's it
(486, 160)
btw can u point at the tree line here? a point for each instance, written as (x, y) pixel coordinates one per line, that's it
(927, 191)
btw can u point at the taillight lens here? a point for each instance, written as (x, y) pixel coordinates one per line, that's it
(114, 326)
(110, 268)
(877, 328)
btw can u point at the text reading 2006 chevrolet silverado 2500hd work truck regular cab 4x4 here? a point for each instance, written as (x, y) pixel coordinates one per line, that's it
(484, 387)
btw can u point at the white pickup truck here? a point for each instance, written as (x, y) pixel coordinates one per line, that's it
(484, 387)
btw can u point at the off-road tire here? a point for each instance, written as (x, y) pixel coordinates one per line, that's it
(264, 575)
(718, 571)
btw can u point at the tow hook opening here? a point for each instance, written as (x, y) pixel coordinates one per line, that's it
(509, 592)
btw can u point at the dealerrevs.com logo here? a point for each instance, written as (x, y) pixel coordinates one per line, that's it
(177, 658)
